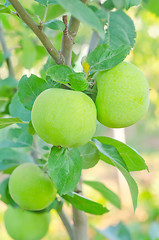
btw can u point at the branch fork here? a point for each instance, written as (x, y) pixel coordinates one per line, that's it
(22, 13)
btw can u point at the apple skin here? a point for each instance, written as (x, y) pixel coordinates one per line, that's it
(25, 225)
(31, 188)
(64, 117)
(123, 96)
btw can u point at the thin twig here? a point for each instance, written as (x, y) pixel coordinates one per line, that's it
(65, 44)
(67, 224)
(57, 56)
(6, 52)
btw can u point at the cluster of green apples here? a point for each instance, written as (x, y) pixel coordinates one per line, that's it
(33, 191)
(68, 118)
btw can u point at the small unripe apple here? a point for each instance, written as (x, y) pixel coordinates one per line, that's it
(64, 117)
(89, 154)
(25, 225)
(31, 188)
(123, 96)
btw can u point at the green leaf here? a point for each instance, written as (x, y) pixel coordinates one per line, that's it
(103, 58)
(46, 2)
(105, 192)
(30, 87)
(6, 93)
(109, 154)
(31, 129)
(108, 5)
(49, 63)
(10, 158)
(112, 154)
(131, 3)
(28, 53)
(41, 53)
(120, 4)
(1, 58)
(64, 75)
(89, 154)
(17, 109)
(3, 103)
(65, 167)
(85, 204)
(15, 137)
(131, 157)
(84, 14)
(5, 122)
(59, 73)
(55, 25)
(42, 2)
(101, 13)
(38, 10)
(117, 232)
(4, 192)
(74, 58)
(9, 82)
(78, 82)
(53, 10)
(4, 9)
(121, 30)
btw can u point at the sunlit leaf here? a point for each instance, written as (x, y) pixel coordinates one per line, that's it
(105, 192)
(85, 204)
(65, 167)
(83, 14)
(5, 122)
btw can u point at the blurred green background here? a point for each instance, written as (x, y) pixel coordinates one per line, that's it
(143, 136)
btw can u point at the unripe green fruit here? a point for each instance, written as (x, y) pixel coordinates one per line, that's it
(64, 117)
(123, 96)
(31, 188)
(89, 154)
(24, 225)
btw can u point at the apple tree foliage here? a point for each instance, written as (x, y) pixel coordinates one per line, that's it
(18, 141)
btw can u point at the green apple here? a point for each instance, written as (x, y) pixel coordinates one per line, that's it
(25, 225)
(123, 96)
(31, 188)
(64, 117)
